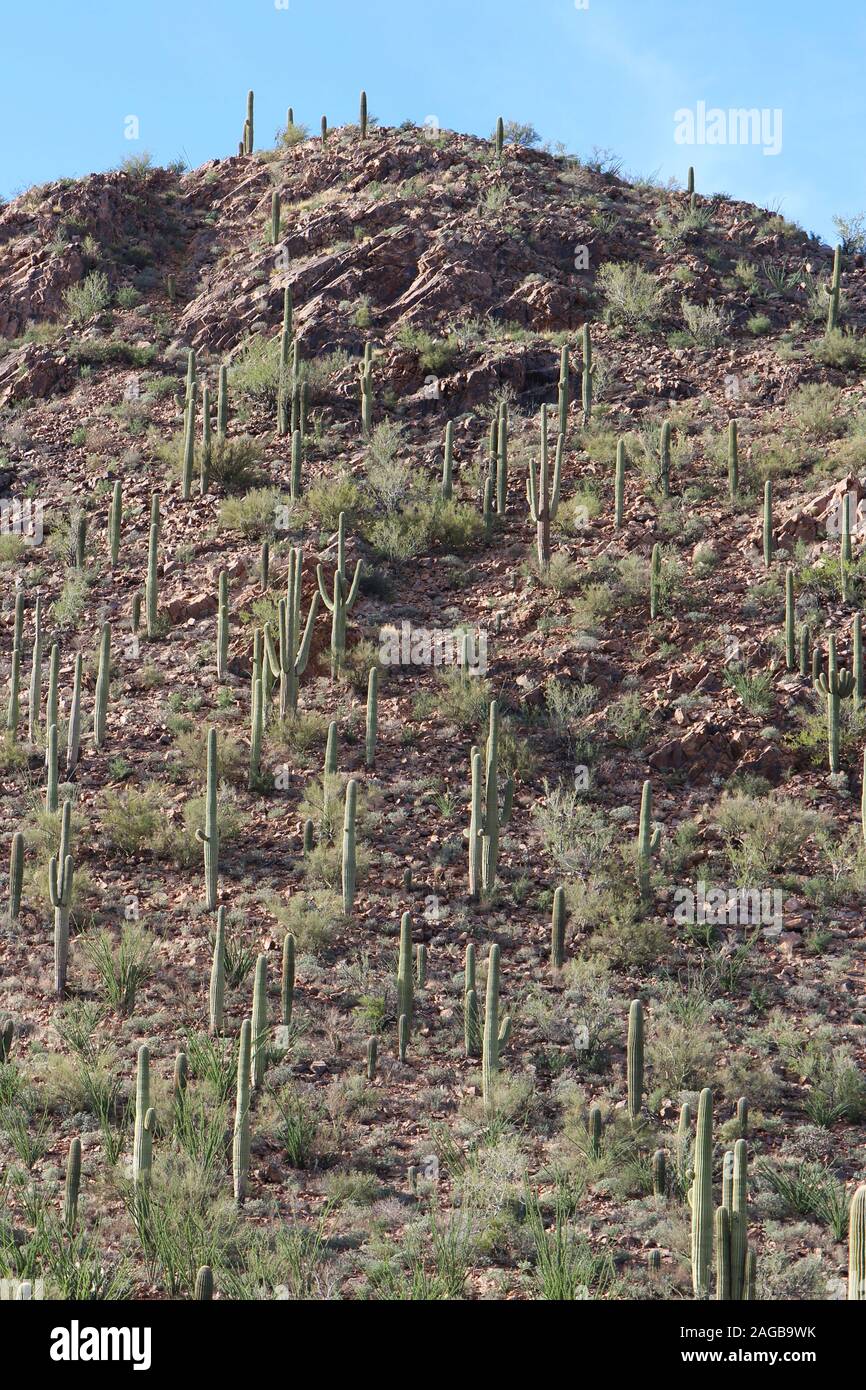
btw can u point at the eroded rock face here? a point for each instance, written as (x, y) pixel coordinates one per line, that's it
(710, 747)
(819, 519)
(31, 372)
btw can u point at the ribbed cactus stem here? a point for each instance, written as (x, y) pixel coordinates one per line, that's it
(768, 522)
(634, 1058)
(241, 1142)
(35, 674)
(739, 1219)
(222, 645)
(594, 1130)
(151, 588)
(73, 738)
(857, 1245)
(275, 217)
(490, 1046)
(73, 1185)
(790, 634)
(655, 581)
(563, 390)
(665, 459)
(349, 867)
(500, 137)
(723, 1253)
(372, 1057)
(557, 930)
(222, 404)
(543, 496)
(216, 996)
(16, 876)
(52, 781)
(249, 125)
(648, 840)
(142, 1106)
(260, 1022)
(619, 486)
(587, 375)
(448, 462)
(203, 1285)
(115, 518)
(660, 1173)
(372, 717)
(103, 686)
(702, 1197)
(405, 981)
(206, 443)
(835, 291)
(209, 837)
(287, 979)
(363, 117)
(189, 442)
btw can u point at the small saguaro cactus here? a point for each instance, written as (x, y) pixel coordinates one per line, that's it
(722, 1224)
(857, 1245)
(655, 581)
(836, 685)
(349, 865)
(665, 459)
(557, 930)
(701, 1197)
(7, 1033)
(52, 780)
(365, 377)
(297, 461)
(73, 739)
(324, 131)
(363, 117)
(405, 982)
(448, 462)
(587, 375)
(648, 840)
(73, 1185)
(634, 1061)
(290, 661)
(690, 181)
(222, 644)
(142, 1105)
(216, 995)
(845, 552)
(222, 404)
(260, 1021)
(660, 1173)
(249, 127)
(35, 674)
(60, 879)
(287, 980)
(502, 460)
(210, 836)
(189, 442)
(13, 706)
(206, 443)
(151, 588)
(768, 522)
(500, 137)
(241, 1142)
(372, 1057)
(490, 1045)
(257, 726)
(486, 826)
(115, 518)
(739, 1220)
(372, 728)
(341, 601)
(471, 1015)
(103, 685)
(619, 486)
(563, 390)
(16, 876)
(790, 633)
(203, 1292)
(275, 217)
(835, 291)
(402, 1037)
(733, 460)
(594, 1130)
(542, 496)
(857, 660)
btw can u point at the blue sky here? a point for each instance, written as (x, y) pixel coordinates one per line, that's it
(610, 75)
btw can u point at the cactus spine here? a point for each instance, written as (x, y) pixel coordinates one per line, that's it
(702, 1197)
(216, 995)
(241, 1143)
(544, 499)
(16, 876)
(490, 1046)
(103, 684)
(634, 1063)
(349, 868)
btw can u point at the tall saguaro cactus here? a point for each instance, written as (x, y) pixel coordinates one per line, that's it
(210, 836)
(487, 821)
(836, 685)
(634, 1060)
(290, 661)
(241, 1142)
(405, 984)
(587, 375)
(342, 600)
(835, 291)
(349, 869)
(60, 880)
(647, 841)
(702, 1197)
(490, 1044)
(544, 498)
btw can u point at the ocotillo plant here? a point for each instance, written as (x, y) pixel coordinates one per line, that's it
(241, 1143)
(493, 1035)
(702, 1197)
(290, 662)
(587, 375)
(836, 685)
(790, 635)
(768, 522)
(372, 728)
(216, 995)
(733, 460)
(647, 840)
(619, 486)
(260, 1022)
(115, 518)
(835, 291)
(655, 581)
(349, 866)
(103, 685)
(405, 984)
(142, 1105)
(287, 979)
(557, 930)
(16, 876)
(544, 498)
(857, 1245)
(210, 836)
(341, 602)
(73, 1185)
(634, 1062)
(222, 643)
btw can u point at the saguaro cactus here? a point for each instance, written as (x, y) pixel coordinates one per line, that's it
(189, 442)
(619, 486)
(857, 1245)
(835, 291)
(342, 600)
(349, 869)
(768, 523)
(249, 126)
(500, 137)
(222, 644)
(73, 739)
(260, 1021)
(35, 674)
(287, 979)
(405, 983)
(647, 840)
(490, 1047)
(634, 1063)
(836, 686)
(60, 879)
(365, 377)
(563, 390)
(448, 462)
(544, 499)
(790, 635)
(103, 685)
(241, 1143)
(216, 995)
(115, 517)
(702, 1197)
(142, 1105)
(655, 581)
(486, 823)
(275, 217)
(206, 443)
(362, 117)
(471, 1015)
(372, 717)
(222, 404)
(587, 375)
(51, 783)
(16, 876)
(733, 460)
(151, 588)
(557, 930)
(73, 1184)
(665, 459)
(209, 837)
(290, 662)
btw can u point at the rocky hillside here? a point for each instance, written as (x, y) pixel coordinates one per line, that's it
(505, 1011)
